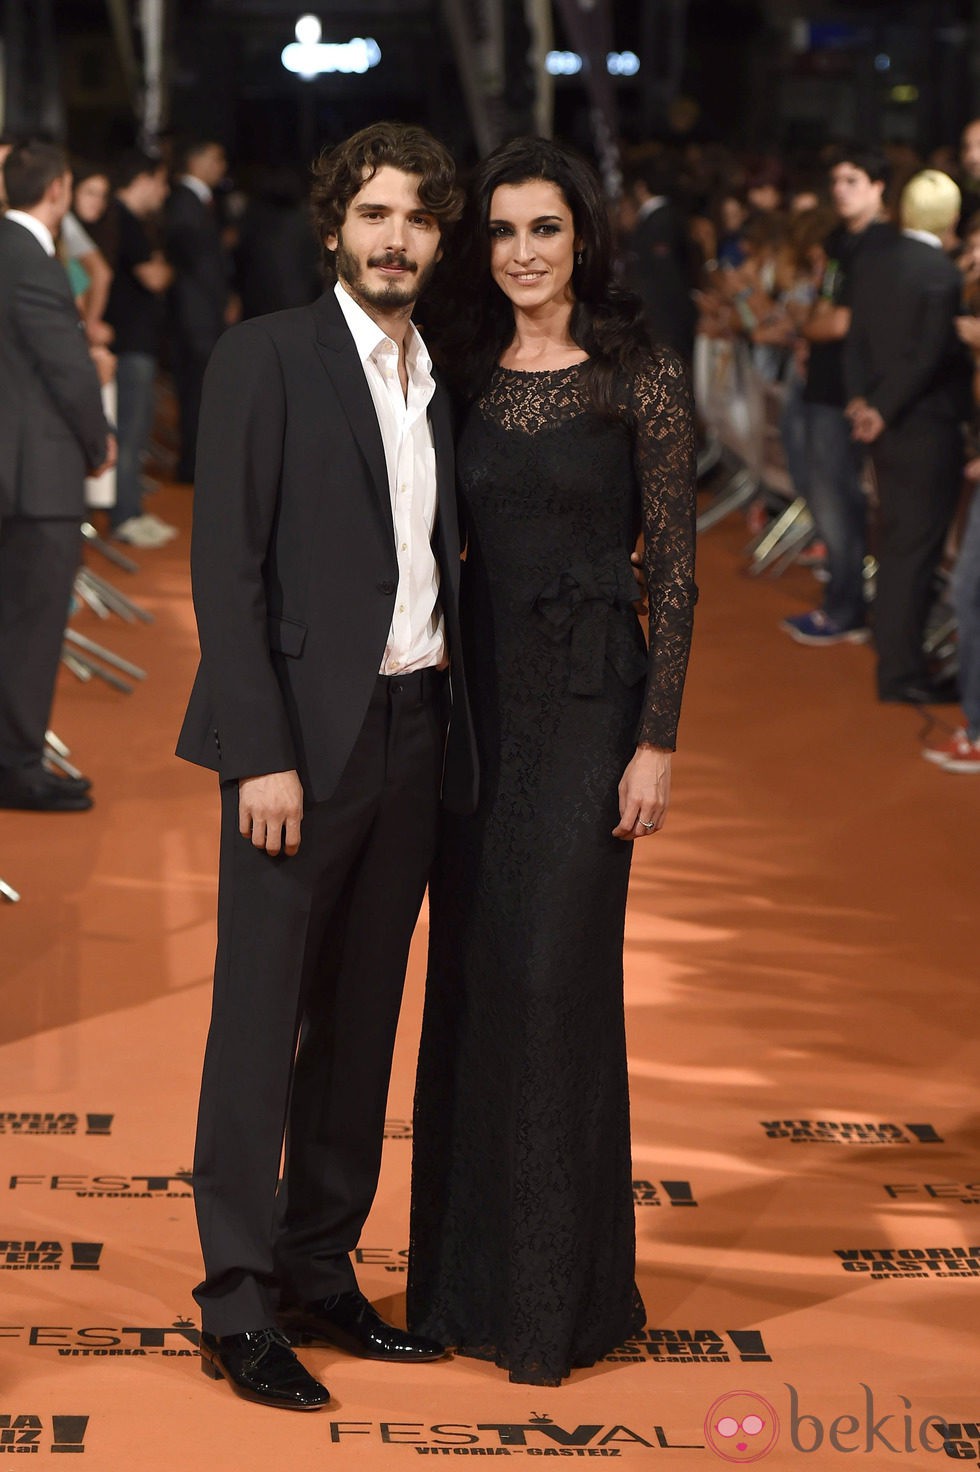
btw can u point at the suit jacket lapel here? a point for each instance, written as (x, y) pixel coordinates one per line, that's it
(339, 357)
(447, 531)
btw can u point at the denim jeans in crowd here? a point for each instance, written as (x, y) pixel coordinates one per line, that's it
(839, 508)
(966, 602)
(135, 373)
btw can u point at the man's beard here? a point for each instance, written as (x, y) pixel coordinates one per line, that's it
(393, 293)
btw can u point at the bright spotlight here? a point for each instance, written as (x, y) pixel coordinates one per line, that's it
(308, 30)
(308, 56)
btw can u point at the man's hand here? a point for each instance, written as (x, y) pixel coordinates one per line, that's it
(641, 606)
(968, 331)
(267, 805)
(644, 794)
(105, 363)
(866, 425)
(111, 455)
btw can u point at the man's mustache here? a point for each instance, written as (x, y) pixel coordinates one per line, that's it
(392, 258)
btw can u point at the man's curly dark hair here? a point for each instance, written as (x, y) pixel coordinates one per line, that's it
(340, 173)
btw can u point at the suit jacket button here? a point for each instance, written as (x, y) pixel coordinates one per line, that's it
(386, 588)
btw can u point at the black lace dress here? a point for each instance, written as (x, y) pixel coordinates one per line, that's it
(522, 1241)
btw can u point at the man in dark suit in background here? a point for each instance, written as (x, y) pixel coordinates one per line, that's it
(908, 381)
(199, 296)
(658, 256)
(325, 563)
(52, 430)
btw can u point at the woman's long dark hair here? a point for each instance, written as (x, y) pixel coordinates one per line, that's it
(470, 322)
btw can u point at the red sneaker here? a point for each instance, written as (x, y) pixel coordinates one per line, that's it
(957, 754)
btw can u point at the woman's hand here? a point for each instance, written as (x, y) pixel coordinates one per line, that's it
(644, 794)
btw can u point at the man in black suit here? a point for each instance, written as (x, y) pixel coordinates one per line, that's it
(658, 256)
(199, 296)
(908, 381)
(52, 430)
(325, 563)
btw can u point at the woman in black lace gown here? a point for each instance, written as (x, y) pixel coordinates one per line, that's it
(579, 436)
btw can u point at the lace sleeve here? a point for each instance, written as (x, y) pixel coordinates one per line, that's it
(662, 415)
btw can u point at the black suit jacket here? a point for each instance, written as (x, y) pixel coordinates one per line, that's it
(658, 268)
(293, 556)
(52, 428)
(902, 353)
(199, 293)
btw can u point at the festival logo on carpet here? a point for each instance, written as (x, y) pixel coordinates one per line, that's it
(38, 1256)
(849, 1132)
(963, 1193)
(539, 1435)
(741, 1427)
(392, 1259)
(28, 1433)
(671, 1193)
(961, 1439)
(176, 1340)
(911, 1262)
(37, 1123)
(151, 1187)
(692, 1347)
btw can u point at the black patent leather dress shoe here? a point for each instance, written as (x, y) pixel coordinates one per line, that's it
(260, 1365)
(35, 790)
(348, 1321)
(926, 692)
(72, 784)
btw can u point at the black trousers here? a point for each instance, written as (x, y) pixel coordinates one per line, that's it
(919, 467)
(189, 364)
(38, 561)
(308, 982)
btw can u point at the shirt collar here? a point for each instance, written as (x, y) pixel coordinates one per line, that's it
(37, 228)
(926, 236)
(655, 202)
(369, 337)
(197, 186)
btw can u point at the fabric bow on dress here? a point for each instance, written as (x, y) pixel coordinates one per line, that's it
(577, 605)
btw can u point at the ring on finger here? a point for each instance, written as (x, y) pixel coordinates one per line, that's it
(648, 826)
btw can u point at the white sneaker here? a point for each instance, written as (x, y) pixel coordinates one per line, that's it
(163, 526)
(139, 531)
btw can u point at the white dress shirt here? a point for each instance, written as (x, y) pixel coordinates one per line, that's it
(416, 639)
(926, 237)
(197, 186)
(39, 230)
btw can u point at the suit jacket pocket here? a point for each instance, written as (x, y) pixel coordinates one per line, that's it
(286, 636)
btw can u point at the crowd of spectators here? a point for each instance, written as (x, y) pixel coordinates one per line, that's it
(108, 271)
(851, 280)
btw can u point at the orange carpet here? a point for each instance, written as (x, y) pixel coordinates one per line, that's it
(802, 1005)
